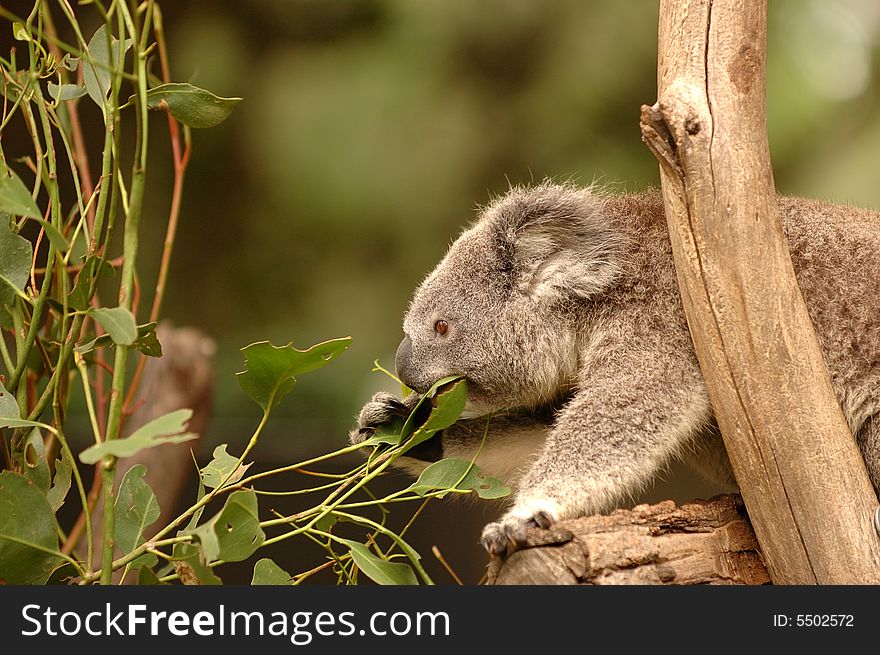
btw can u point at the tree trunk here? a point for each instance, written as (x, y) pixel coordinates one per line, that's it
(799, 469)
(703, 542)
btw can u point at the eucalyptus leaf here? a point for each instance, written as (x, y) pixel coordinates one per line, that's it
(15, 198)
(59, 92)
(165, 429)
(389, 433)
(148, 341)
(32, 461)
(267, 572)
(220, 466)
(94, 266)
(118, 322)
(20, 31)
(271, 370)
(60, 484)
(449, 400)
(28, 532)
(146, 576)
(380, 570)
(190, 567)
(458, 474)
(234, 533)
(326, 522)
(136, 508)
(100, 64)
(70, 62)
(191, 105)
(15, 266)
(8, 406)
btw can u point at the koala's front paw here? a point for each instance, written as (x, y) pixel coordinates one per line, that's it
(382, 409)
(508, 535)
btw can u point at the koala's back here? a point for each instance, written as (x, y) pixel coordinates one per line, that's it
(835, 252)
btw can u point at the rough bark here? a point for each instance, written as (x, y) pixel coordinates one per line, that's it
(703, 542)
(798, 466)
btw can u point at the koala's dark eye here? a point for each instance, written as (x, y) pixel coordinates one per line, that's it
(441, 326)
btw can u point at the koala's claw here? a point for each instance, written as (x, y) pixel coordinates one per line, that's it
(382, 408)
(505, 537)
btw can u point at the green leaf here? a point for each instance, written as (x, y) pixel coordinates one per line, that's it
(70, 62)
(118, 322)
(379, 570)
(20, 32)
(191, 105)
(28, 532)
(60, 484)
(94, 266)
(449, 400)
(63, 574)
(15, 198)
(222, 465)
(32, 461)
(100, 64)
(271, 370)
(458, 474)
(234, 533)
(388, 433)
(326, 522)
(60, 92)
(148, 341)
(165, 429)
(8, 406)
(136, 508)
(15, 266)
(191, 567)
(146, 576)
(267, 572)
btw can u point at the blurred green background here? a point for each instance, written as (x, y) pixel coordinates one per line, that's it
(369, 132)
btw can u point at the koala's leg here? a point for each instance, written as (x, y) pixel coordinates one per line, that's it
(635, 409)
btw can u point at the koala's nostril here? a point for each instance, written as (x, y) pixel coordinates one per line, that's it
(403, 360)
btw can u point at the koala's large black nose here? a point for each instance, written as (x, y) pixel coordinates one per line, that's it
(403, 362)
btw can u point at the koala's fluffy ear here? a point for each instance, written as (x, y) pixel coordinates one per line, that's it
(559, 241)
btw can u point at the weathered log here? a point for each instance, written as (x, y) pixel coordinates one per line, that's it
(701, 542)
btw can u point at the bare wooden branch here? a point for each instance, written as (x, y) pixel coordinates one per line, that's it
(796, 462)
(703, 542)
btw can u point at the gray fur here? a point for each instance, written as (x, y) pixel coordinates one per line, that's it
(564, 315)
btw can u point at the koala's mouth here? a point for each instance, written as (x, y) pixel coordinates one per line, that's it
(474, 406)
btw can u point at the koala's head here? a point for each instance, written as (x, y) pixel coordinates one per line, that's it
(503, 307)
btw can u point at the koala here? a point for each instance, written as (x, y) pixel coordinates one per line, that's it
(560, 307)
